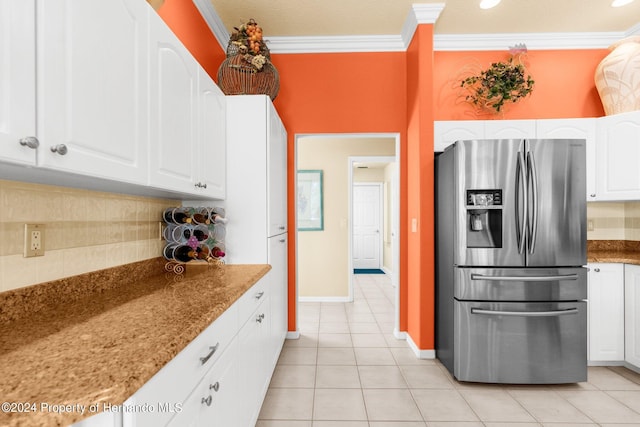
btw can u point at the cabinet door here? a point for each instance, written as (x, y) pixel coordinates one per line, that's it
(606, 312)
(215, 400)
(17, 80)
(574, 128)
(448, 132)
(92, 87)
(509, 129)
(618, 152)
(254, 374)
(277, 170)
(632, 314)
(173, 82)
(211, 156)
(278, 284)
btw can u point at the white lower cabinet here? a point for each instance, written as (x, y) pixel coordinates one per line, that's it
(221, 377)
(606, 312)
(632, 314)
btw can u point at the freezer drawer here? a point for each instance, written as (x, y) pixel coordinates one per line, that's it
(519, 284)
(520, 343)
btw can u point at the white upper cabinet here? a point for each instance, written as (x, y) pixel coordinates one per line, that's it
(574, 128)
(510, 129)
(448, 132)
(92, 88)
(618, 156)
(17, 80)
(277, 172)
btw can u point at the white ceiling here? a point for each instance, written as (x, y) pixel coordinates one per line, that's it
(313, 18)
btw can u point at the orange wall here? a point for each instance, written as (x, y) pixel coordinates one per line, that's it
(564, 84)
(401, 92)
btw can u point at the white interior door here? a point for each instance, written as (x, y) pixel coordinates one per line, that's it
(367, 225)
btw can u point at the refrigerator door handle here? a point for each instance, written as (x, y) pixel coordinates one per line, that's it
(554, 313)
(521, 219)
(532, 181)
(524, 278)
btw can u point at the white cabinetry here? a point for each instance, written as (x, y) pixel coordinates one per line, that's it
(187, 120)
(17, 80)
(618, 155)
(606, 312)
(632, 314)
(92, 88)
(510, 129)
(447, 132)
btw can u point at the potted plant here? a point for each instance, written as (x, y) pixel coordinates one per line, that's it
(501, 83)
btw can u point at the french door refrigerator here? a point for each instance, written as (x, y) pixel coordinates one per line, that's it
(510, 256)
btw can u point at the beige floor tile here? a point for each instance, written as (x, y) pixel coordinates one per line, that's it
(368, 340)
(340, 424)
(442, 405)
(374, 356)
(548, 407)
(496, 406)
(283, 423)
(336, 356)
(397, 424)
(627, 373)
(455, 424)
(294, 376)
(570, 425)
(601, 407)
(406, 356)
(425, 376)
(629, 398)
(364, 328)
(391, 405)
(305, 340)
(334, 340)
(392, 341)
(287, 404)
(328, 376)
(335, 404)
(298, 356)
(604, 378)
(334, 328)
(361, 318)
(308, 327)
(515, 424)
(381, 377)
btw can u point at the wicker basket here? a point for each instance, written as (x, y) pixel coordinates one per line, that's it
(236, 76)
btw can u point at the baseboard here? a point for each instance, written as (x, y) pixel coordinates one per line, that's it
(324, 299)
(605, 363)
(292, 335)
(420, 354)
(400, 335)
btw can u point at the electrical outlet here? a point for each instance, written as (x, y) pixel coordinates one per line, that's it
(590, 226)
(33, 240)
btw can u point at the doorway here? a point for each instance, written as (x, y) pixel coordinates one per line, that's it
(367, 219)
(323, 258)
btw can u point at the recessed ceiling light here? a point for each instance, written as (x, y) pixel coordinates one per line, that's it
(488, 4)
(618, 3)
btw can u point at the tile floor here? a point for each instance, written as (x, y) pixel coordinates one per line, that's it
(347, 370)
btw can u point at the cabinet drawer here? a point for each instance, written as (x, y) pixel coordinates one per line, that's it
(251, 299)
(176, 379)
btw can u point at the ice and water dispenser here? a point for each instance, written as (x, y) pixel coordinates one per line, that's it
(484, 218)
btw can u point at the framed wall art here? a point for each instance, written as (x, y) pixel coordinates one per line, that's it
(310, 200)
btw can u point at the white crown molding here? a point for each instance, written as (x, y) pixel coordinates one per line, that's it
(335, 44)
(214, 22)
(419, 14)
(633, 31)
(534, 41)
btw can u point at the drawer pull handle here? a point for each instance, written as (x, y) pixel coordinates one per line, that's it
(282, 227)
(597, 270)
(259, 318)
(215, 387)
(207, 400)
(259, 294)
(208, 356)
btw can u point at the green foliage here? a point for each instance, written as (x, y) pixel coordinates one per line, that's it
(501, 82)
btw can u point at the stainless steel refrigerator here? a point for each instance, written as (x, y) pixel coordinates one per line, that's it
(510, 256)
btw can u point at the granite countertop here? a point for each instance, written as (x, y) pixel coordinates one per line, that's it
(97, 338)
(617, 251)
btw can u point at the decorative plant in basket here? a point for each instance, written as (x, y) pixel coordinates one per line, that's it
(248, 69)
(502, 82)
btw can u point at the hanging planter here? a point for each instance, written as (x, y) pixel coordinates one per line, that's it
(501, 84)
(248, 70)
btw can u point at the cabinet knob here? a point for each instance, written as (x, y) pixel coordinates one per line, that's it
(200, 185)
(592, 195)
(215, 387)
(60, 149)
(260, 318)
(30, 141)
(208, 400)
(597, 270)
(282, 227)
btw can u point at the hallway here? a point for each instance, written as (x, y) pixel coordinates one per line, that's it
(348, 370)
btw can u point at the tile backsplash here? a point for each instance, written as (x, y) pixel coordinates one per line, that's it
(614, 220)
(84, 231)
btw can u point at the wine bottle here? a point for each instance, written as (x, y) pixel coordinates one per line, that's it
(184, 253)
(202, 252)
(180, 217)
(200, 235)
(216, 252)
(201, 216)
(217, 215)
